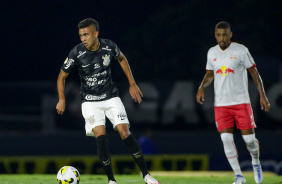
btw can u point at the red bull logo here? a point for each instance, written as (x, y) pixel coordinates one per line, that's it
(224, 71)
(233, 57)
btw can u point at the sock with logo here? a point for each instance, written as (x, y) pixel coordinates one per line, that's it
(137, 154)
(231, 152)
(253, 147)
(104, 155)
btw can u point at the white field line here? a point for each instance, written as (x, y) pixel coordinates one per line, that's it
(119, 181)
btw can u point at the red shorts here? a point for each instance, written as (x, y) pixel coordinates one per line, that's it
(227, 116)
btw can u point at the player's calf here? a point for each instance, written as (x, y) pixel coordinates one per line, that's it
(104, 156)
(253, 147)
(136, 152)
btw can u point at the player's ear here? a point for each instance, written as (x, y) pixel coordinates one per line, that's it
(96, 33)
(231, 34)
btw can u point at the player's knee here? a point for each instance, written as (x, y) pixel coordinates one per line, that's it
(124, 134)
(249, 139)
(123, 131)
(226, 138)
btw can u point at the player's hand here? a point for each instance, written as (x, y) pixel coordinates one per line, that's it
(135, 93)
(200, 97)
(264, 103)
(61, 107)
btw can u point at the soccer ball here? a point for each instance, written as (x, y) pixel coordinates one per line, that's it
(68, 175)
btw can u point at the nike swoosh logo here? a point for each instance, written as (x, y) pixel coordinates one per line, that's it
(85, 65)
(106, 161)
(136, 153)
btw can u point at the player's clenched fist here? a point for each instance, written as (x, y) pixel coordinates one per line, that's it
(61, 106)
(200, 97)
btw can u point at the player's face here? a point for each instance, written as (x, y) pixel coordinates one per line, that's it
(223, 37)
(89, 37)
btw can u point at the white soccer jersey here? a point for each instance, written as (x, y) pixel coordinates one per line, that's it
(230, 74)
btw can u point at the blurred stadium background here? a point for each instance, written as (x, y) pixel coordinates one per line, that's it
(166, 43)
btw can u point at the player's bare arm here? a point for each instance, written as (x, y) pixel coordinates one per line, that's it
(61, 92)
(264, 103)
(134, 90)
(208, 78)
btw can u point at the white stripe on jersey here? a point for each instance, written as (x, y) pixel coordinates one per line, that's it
(230, 74)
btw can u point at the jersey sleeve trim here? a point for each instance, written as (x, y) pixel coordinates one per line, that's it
(118, 54)
(253, 66)
(64, 71)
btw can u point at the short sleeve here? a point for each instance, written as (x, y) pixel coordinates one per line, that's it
(247, 59)
(209, 65)
(70, 63)
(116, 51)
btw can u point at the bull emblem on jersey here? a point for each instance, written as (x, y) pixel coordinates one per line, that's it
(224, 71)
(106, 59)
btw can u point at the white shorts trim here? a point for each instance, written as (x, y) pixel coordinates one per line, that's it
(95, 114)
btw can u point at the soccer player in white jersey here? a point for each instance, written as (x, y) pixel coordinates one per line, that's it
(227, 65)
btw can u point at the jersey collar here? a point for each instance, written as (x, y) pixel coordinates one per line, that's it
(97, 48)
(223, 51)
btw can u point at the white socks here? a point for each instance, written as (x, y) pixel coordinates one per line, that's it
(253, 147)
(231, 152)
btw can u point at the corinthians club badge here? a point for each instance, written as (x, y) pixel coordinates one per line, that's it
(107, 60)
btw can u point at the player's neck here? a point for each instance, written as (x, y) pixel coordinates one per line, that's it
(95, 46)
(224, 48)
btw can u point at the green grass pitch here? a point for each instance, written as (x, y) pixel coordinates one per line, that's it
(135, 179)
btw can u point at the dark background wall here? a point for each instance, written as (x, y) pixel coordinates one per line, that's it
(164, 41)
(172, 37)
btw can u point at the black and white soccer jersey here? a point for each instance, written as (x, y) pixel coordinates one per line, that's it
(94, 70)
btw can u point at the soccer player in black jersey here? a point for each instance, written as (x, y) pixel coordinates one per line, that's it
(99, 95)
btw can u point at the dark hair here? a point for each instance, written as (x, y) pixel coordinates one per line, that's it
(223, 25)
(87, 22)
